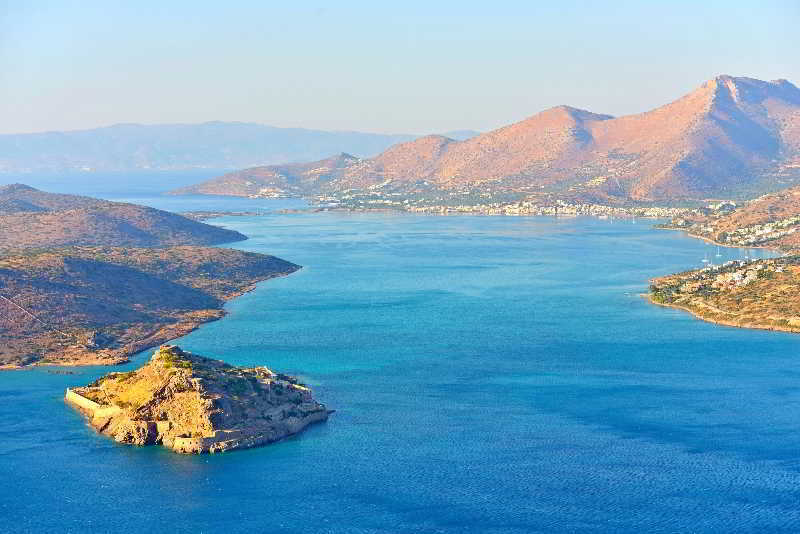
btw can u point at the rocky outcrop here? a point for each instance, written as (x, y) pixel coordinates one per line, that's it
(192, 404)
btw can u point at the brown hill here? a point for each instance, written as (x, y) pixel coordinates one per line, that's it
(293, 179)
(15, 198)
(98, 305)
(33, 218)
(730, 134)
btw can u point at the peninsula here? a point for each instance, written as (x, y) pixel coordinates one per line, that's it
(85, 281)
(748, 294)
(191, 404)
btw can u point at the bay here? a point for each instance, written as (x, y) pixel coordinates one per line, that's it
(490, 374)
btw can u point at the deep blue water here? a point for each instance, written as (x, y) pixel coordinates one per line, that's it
(490, 374)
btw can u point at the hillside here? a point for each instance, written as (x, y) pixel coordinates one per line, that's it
(729, 136)
(99, 305)
(293, 179)
(32, 218)
(771, 220)
(211, 145)
(749, 294)
(192, 404)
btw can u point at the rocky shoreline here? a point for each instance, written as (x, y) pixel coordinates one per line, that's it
(192, 405)
(757, 294)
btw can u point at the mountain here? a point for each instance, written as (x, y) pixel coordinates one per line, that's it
(33, 218)
(461, 135)
(729, 136)
(213, 145)
(294, 179)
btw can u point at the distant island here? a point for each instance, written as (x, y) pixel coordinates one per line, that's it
(191, 404)
(89, 282)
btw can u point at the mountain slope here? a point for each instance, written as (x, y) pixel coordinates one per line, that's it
(99, 305)
(729, 135)
(19, 198)
(293, 179)
(769, 221)
(33, 218)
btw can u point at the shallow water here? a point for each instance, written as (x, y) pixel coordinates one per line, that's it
(490, 374)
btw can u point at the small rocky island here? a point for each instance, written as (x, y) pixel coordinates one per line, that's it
(192, 404)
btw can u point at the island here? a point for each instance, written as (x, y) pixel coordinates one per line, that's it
(191, 404)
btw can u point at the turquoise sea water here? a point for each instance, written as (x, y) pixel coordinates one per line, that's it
(490, 374)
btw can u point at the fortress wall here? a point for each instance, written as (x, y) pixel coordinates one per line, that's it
(88, 406)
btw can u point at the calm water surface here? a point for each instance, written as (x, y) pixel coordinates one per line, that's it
(490, 374)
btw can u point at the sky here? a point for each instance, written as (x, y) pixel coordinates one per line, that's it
(392, 67)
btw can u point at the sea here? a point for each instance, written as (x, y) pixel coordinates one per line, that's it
(489, 375)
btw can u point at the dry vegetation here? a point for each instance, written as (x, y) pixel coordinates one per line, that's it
(68, 296)
(31, 218)
(756, 294)
(193, 404)
(728, 134)
(101, 304)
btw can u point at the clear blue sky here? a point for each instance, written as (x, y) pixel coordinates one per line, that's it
(410, 67)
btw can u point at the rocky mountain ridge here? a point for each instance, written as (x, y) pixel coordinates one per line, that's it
(729, 136)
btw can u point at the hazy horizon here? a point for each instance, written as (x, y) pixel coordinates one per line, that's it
(372, 68)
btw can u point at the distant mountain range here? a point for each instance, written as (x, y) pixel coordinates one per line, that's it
(212, 145)
(729, 136)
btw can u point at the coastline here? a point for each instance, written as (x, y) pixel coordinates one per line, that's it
(184, 325)
(713, 242)
(732, 324)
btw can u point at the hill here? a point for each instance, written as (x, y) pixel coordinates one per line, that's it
(192, 404)
(749, 294)
(295, 179)
(211, 145)
(99, 305)
(731, 136)
(33, 218)
(771, 220)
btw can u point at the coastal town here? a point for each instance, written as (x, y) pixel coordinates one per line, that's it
(754, 235)
(467, 203)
